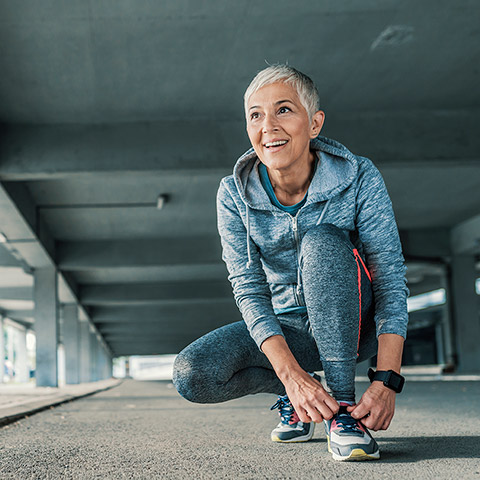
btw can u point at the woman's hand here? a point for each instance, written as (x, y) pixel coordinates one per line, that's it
(309, 398)
(376, 407)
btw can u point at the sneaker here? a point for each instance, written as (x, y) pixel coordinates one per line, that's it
(348, 439)
(290, 429)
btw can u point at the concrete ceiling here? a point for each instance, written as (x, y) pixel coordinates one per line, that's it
(106, 105)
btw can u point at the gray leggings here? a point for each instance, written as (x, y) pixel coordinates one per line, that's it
(227, 364)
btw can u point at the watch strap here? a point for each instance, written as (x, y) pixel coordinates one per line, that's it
(390, 379)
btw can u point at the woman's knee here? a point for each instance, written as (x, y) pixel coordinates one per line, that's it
(325, 232)
(325, 238)
(189, 376)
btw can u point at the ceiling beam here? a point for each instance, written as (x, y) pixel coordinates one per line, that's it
(162, 347)
(179, 313)
(7, 259)
(147, 293)
(16, 293)
(26, 315)
(38, 152)
(150, 336)
(172, 326)
(465, 237)
(49, 152)
(93, 255)
(425, 243)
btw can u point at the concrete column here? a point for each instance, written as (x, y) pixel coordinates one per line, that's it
(84, 351)
(466, 315)
(2, 351)
(107, 370)
(109, 366)
(46, 326)
(71, 340)
(104, 364)
(21, 363)
(93, 355)
(98, 362)
(101, 366)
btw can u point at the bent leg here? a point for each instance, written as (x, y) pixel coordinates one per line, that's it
(226, 363)
(339, 301)
(222, 365)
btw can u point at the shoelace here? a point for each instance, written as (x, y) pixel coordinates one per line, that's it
(347, 422)
(285, 408)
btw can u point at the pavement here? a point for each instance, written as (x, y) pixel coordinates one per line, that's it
(146, 430)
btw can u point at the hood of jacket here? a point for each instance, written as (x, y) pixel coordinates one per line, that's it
(336, 169)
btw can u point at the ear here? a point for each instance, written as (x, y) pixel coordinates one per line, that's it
(317, 123)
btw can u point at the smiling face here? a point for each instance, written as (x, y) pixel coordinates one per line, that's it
(279, 128)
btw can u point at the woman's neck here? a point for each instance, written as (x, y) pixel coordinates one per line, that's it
(291, 186)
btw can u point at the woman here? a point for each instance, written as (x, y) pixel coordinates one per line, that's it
(297, 219)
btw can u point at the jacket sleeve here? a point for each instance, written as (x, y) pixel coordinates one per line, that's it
(378, 233)
(250, 288)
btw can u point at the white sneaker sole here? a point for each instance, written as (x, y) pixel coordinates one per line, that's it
(305, 438)
(356, 455)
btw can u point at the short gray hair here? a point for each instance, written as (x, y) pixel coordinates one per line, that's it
(303, 84)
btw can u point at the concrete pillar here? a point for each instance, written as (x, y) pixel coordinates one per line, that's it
(109, 366)
(61, 375)
(98, 358)
(2, 350)
(101, 363)
(93, 355)
(84, 351)
(71, 340)
(104, 364)
(466, 315)
(46, 326)
(108, 369)
(22, 373)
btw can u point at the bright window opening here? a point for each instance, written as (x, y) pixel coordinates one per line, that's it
(425, 300)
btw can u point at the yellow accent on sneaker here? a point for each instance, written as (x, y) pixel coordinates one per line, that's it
(357, 455)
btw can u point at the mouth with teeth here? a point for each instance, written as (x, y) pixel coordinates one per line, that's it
(276, 143)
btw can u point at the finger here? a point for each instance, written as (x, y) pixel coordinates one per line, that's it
(372, 424)
(303, 415)
(326, 412)
(313, 412)
(368, 422)
(332, 404)
(360, 411)
(378, 420)
(315, 415)
(387, 423)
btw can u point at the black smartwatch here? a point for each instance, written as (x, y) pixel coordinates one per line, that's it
(390, 379)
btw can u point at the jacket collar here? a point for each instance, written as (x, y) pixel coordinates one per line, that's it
(336, 169)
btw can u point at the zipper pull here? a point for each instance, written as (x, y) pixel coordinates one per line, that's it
(294, 224)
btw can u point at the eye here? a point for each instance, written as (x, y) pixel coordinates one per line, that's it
(283, 110)
(254, 115)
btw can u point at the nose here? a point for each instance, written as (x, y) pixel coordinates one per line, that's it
(269, 123)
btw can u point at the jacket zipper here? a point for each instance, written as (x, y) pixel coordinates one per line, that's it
(298, 289)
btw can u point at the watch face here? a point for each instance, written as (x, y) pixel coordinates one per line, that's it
(396, 382)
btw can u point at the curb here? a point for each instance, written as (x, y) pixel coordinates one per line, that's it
(12, 414)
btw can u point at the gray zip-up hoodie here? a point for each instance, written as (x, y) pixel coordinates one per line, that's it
(261, 243)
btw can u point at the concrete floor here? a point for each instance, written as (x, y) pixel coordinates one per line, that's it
(145, 430)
